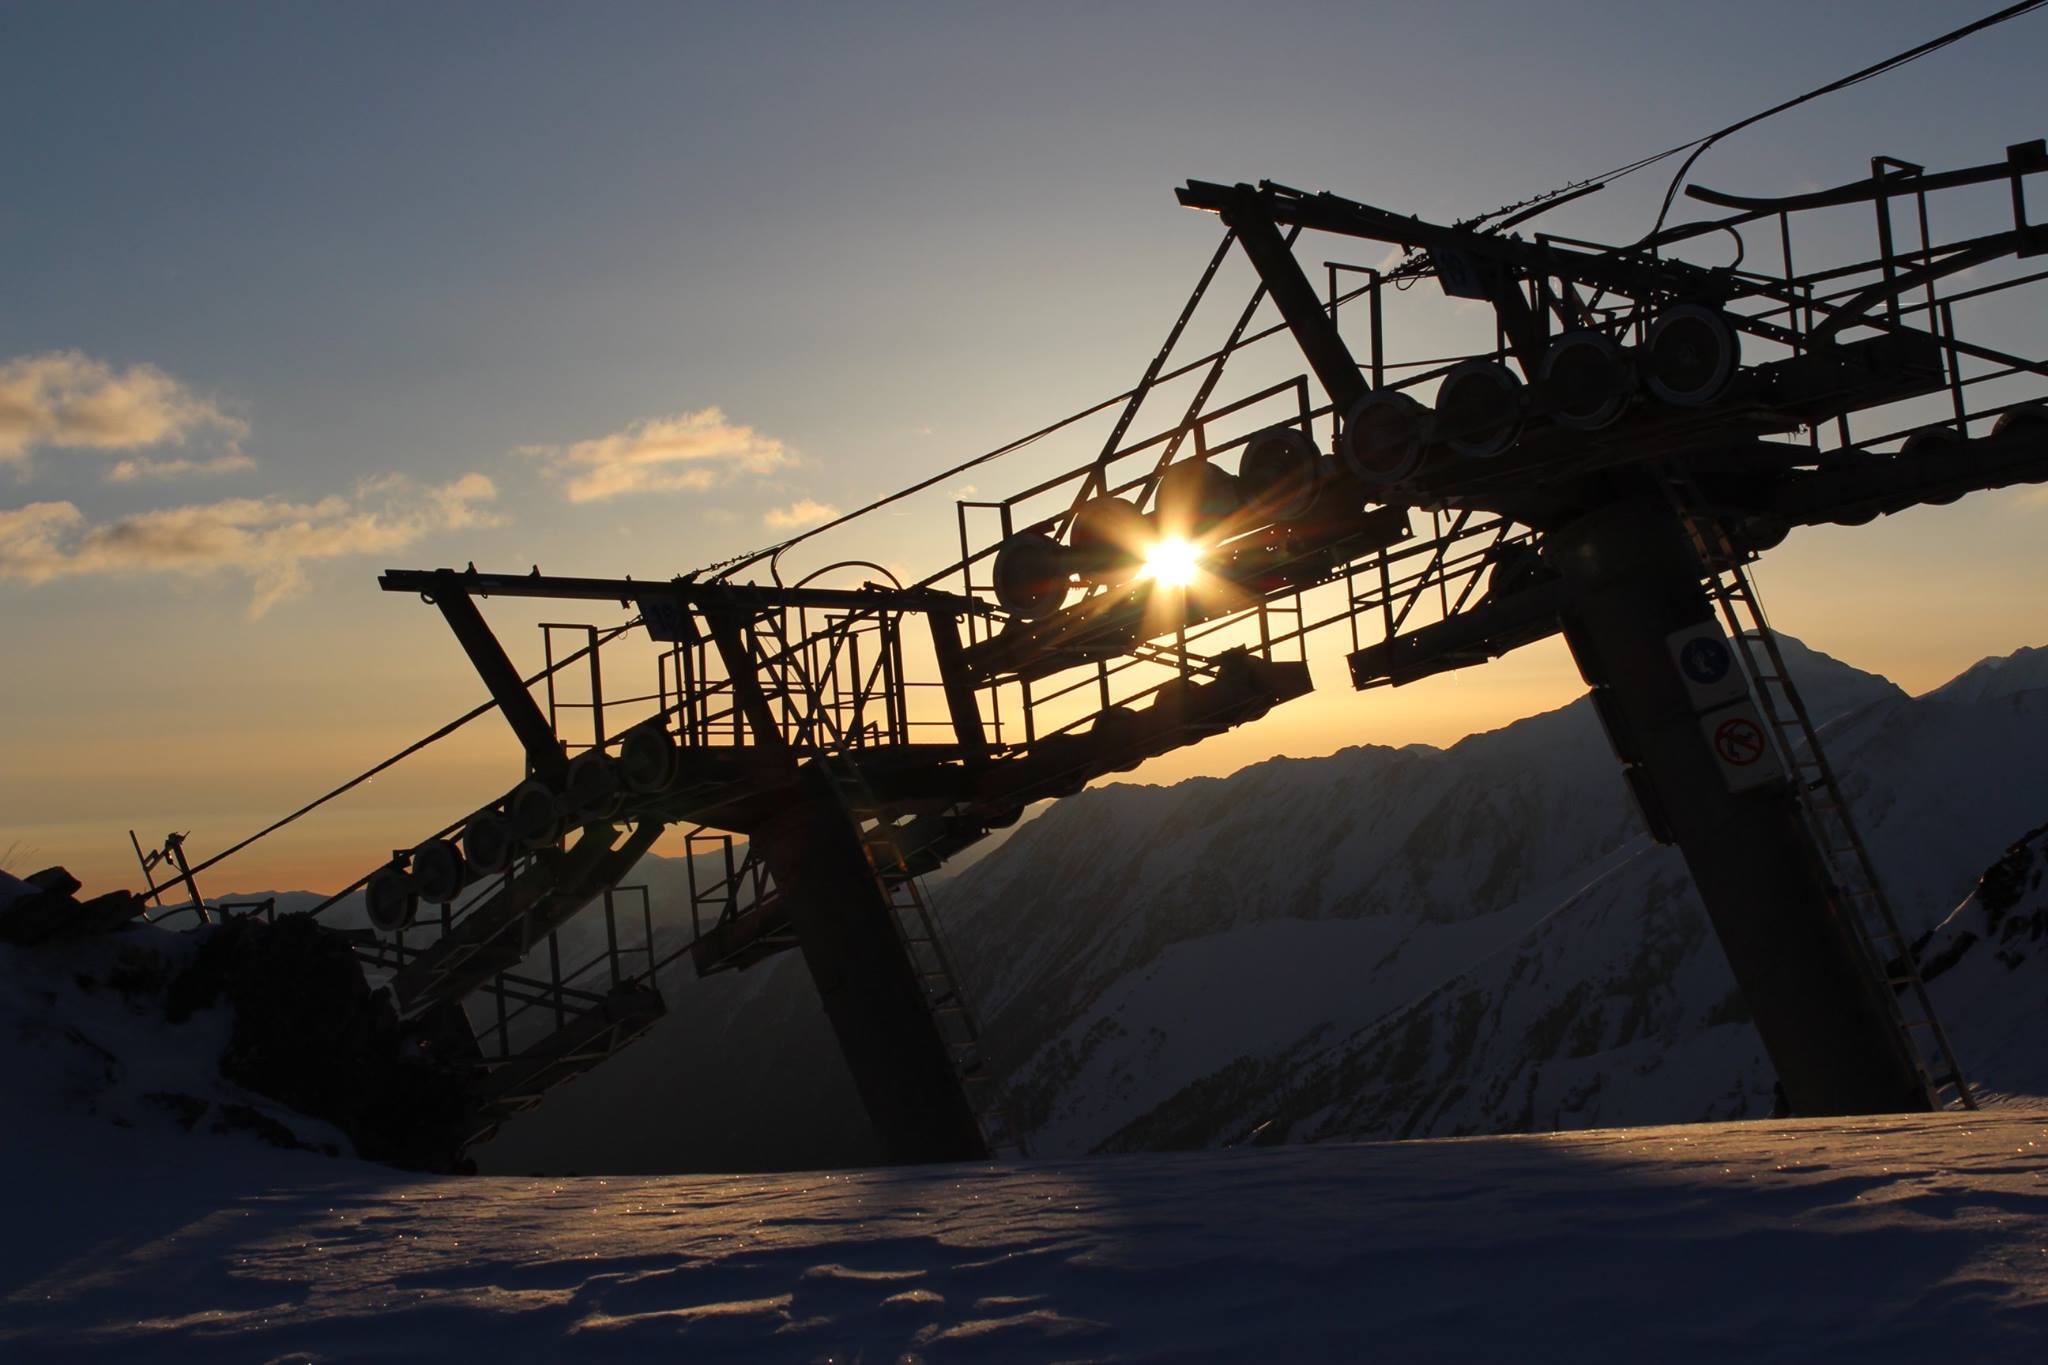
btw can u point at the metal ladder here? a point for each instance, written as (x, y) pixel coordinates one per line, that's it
(917, 928)
(1858, 893)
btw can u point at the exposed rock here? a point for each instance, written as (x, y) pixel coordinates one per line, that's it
(311, 1034)
(41, 908)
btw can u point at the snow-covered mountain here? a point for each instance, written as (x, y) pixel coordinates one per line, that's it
(1987, 966)
(1422, 942)
(1383, 942)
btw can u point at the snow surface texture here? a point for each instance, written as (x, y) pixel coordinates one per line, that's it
(1905, 1239)
(83, 1037)
(1380, 943)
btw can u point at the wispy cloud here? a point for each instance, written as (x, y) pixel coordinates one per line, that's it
(803, 512)
(131, 471)
(266, 541)
(686, 452)
(68, 400)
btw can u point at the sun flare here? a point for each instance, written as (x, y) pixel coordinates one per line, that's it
(1173, 561)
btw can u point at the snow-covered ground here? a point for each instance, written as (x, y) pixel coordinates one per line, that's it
(146, 1219)
(1907, 1239)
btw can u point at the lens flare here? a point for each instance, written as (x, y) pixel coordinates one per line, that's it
(1173, 561)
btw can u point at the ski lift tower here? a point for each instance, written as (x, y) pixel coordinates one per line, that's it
(1640, 429)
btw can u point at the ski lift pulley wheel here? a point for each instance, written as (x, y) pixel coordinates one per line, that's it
(595, 790)
(1479, 409)
(1182, 700)
(1108, 537)
(389, 898)
(439, 871)
(1194, 496)
(647, 759)
(1516, 566)
(1932, 441)
(488, 843)
(2026, 417)
(1115, 731)
(1031, 577)
(1385, 434)
(1690, 354)
(535, 816)
(1587, 379)
(1280, 471)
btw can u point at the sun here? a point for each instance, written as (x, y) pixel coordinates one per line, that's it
(1173, 561)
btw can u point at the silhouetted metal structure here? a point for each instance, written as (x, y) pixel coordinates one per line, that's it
(1638, 429)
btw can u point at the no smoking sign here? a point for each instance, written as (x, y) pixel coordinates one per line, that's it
(1742, 746)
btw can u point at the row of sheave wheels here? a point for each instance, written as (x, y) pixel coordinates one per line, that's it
(1687, 359)
(1281, 479)
(1587, 381)
(596, 786)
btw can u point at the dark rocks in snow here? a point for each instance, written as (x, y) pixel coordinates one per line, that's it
(310, 1034)
(188, 1110)
(2005, 884)
(42, 908)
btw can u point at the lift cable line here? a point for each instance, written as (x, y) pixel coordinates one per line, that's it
(1892, 63)
(727, 567)
(482, 709)
(1634, 430)
(1516, 213)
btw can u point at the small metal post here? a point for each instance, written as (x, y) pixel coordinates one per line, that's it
(504, 1028)
(148, 863)
(647, 924)
(596, 692)
(174, 849)
(611, 938)
(555, 976)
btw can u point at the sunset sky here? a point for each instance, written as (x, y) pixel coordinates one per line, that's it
(293, 294)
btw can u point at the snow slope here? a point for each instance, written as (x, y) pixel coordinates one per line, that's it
(1904, 1239)
(84, 1044)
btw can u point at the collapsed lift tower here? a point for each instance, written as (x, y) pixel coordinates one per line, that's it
(1641, 428)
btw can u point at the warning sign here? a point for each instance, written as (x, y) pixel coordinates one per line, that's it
(1706, 662)
(667, 619)
(1742, 746)
(1739, 742)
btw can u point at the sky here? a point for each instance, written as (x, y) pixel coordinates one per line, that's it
(297, 293)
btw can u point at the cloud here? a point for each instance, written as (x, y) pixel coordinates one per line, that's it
(128, 471)
(266, 541)
(686, 452)
(69, 400)
(803, 512)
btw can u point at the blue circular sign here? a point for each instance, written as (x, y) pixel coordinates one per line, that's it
(1705, 660)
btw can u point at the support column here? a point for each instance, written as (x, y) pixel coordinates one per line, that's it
(1635, 577)
(865, 975)
(867, 981)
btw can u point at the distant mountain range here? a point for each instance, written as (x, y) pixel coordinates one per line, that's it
(1383, 942)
